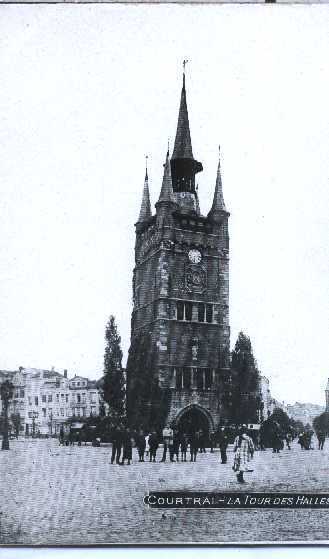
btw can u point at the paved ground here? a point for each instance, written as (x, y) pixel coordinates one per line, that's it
(72, 495)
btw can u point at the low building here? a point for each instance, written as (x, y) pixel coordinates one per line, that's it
(46, 399)
(85, 397)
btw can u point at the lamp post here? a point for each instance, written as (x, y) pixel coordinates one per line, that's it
(7, 390)
(51, 423)
(34, 416)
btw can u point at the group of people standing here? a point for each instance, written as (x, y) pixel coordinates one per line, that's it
(175, 445)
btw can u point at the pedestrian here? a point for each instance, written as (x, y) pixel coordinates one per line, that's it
(288, 440)
(61, 435)
(194, 445)
(301, 441)
(223, 444)
(183, 446)
(147, 448)
(202, 441)
(321, 439)
(212, 440)
(127, 448)
(176, 444)
(116, 444)
(244, 452)
(153, 445)
(141, 445)
(276, 439)
(168, 439)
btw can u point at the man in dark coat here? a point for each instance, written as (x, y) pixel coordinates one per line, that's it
(321, 439)
(116, 445)
(223, 444)
(194, 445)
(153, 446)
(127, 453)
(141, 445)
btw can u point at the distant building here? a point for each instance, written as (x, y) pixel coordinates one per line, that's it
(327, 396)
(46, 399)
(304, 412)
(85, 397)
(265, 394)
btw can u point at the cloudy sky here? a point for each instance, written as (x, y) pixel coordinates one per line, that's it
(86, 92)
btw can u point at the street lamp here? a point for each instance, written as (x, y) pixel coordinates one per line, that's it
(34, 416)
(7, 391)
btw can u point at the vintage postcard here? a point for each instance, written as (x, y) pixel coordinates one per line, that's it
(164, 274)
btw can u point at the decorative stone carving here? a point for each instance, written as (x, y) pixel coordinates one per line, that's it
(195, 278)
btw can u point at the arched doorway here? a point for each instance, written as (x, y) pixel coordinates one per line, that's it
(192, 419)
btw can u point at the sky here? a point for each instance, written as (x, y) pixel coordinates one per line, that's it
(87, 91)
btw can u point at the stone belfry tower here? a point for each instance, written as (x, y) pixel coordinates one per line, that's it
(181, 290)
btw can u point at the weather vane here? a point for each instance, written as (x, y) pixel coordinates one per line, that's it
(185, 61)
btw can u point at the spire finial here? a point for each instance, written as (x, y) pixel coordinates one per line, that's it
(185, 61)
(218, 204)
(168, 146)
(146, 175)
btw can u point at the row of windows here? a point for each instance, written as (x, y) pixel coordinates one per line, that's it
(200, 312)
(79, 398)
(187, 377)
(63, 412)
(84, 383)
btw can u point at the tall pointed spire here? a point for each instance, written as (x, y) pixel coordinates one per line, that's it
(218, 204)
(183, 165)
(166, 194)
(183, 144)
(145, 211)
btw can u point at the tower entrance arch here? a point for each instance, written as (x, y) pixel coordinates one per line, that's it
(194, 418)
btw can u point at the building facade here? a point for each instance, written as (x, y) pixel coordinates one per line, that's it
(46, 399)
(181, 288)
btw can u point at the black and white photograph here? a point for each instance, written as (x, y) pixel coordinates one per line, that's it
(164, 257)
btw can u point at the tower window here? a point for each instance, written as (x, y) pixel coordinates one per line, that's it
(188, 311)
(208, 379)
(179, 378)
(201, 309)
(187, 377)
(209, 313)
(184, 310)
(180, 311)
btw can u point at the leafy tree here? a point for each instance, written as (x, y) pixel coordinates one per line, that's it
(147, 402)
(282, 419)
(246, 401)
(114, 382)
(321, 423)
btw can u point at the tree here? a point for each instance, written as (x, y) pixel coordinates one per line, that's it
(245, 393)
(7, 391)
(114, 382)
(148, 403)
(321, 423)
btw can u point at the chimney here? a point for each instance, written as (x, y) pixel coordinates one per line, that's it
(65, 373)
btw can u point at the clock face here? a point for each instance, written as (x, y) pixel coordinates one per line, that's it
(194, 256)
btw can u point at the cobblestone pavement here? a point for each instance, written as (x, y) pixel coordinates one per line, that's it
(73, 495)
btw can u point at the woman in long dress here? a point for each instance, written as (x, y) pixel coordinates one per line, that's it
(244, 450)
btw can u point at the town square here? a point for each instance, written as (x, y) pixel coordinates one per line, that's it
(70, 495)
(163, 316)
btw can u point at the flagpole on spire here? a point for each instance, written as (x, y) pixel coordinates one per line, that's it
(146, 174)
(185, 61)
